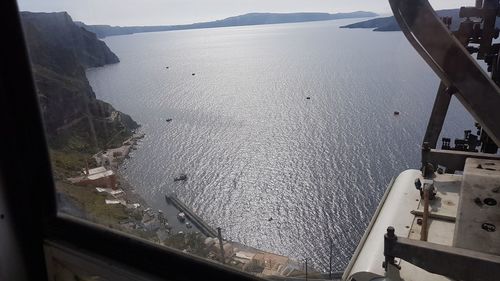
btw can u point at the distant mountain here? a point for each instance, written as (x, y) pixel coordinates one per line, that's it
(390, 24)
(60, 51)
(248, 19)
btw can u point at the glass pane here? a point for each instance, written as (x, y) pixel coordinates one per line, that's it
(173, 121)
(69, 265)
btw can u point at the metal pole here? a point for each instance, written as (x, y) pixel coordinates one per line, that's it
(425, 217)
(219, 234)
(306, 269)
(331, 253)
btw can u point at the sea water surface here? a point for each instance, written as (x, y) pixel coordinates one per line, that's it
(254, 147)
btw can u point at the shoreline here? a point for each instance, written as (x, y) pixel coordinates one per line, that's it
(157, 226)
(114, 157)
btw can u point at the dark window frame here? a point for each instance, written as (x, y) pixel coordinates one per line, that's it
(27, 185)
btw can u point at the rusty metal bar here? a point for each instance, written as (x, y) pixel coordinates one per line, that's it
(425, 217)
(221, 244)
(442, 217)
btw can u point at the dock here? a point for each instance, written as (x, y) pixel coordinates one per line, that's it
(191, 216)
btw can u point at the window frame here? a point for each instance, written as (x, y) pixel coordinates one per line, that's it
(27, 186)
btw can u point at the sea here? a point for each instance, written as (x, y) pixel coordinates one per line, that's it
(286, 132)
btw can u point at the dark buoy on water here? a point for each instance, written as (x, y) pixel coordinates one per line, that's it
(396, 112)
(308, 98)
(181, 177)
(166, 67)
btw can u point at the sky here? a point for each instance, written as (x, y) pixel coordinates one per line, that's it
(167, 12)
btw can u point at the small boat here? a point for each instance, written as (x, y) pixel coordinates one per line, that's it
(188, 225)
(181, 177)
(396, 112)
(169, 120)
(193, 74)
(308, 98)
(166, 67)
(181, 216)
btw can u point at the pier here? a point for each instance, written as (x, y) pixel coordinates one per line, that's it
(191, 216)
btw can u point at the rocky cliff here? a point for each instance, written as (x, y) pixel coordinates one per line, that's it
(74, 118)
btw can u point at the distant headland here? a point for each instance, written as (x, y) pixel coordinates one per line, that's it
(390, 24)
(247, 19)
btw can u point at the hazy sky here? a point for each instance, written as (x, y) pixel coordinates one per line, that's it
(159, 12)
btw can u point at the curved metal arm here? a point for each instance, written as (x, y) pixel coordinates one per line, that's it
(451, 62)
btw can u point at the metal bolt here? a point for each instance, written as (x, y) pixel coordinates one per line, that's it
(390, 232)
(418, 184)
(428, 171)
(389, 241)
(426, 146)
(490, 201)
(488, 227)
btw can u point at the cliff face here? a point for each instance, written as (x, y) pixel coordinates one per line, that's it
(60, 51)
(58, 31)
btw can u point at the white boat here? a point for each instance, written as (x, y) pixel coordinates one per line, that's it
(181, 216)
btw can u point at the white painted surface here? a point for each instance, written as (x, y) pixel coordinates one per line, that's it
(395, 210)
(401, 200)
(101, 175)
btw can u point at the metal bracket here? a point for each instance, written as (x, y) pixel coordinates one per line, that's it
(451, 159)
(455, 263)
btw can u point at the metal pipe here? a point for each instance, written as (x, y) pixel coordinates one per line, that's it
(331, 253)
(434, 216)
(425, 216)
(222, 255)
(306, 269)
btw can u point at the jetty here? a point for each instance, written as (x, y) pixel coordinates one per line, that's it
(191, 215)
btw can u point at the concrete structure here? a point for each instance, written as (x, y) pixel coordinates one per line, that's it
(97, 177)
(191, 215)
(112, 157)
